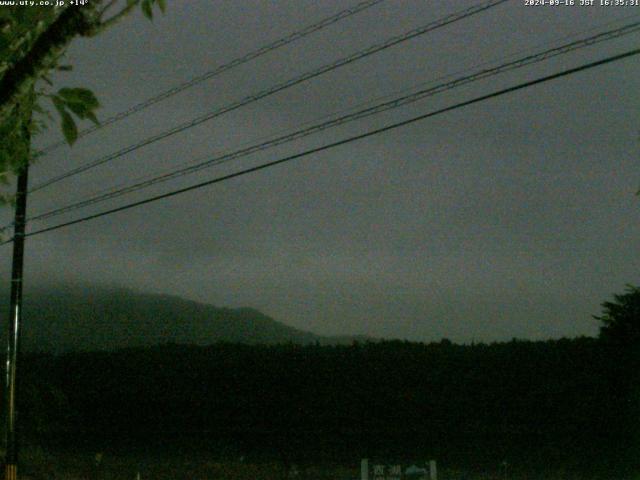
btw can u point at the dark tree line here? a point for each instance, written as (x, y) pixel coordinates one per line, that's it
(569, 402)
(521, 400)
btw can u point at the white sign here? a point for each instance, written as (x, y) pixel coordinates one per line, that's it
(380, 471)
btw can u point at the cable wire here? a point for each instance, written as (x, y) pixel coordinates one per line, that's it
(354, 138)
(381, 107)
(451, 18)
(387, 96)
(281, 42)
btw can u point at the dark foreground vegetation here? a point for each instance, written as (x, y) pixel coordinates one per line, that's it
(555, 409)
(566, 404)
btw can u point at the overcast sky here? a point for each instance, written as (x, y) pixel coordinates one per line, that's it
(515, 217)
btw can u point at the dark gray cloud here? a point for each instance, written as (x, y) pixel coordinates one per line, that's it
(513, 217)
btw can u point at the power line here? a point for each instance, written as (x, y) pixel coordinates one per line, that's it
(527, 60)
(281, 42)
(263, 138)
(387, 105)
(451, 18)
(342, 142)
(279, 87)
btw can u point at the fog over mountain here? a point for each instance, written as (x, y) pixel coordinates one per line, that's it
(72, 317)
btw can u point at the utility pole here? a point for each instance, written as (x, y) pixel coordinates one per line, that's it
(15, 319)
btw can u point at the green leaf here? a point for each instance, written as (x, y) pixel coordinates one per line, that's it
(79, 109)
(69, 128)
(163, 5)
(146, 9)
(59, 104)
(92, 116)
(80, 101)
(79, 95)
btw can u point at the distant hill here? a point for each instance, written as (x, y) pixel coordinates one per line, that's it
(101, 318)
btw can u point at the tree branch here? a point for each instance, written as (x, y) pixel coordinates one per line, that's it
(107, 7)
(117, 17)
(18, 80)
(52, 43)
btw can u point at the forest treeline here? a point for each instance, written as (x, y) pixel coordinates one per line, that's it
(569, 402)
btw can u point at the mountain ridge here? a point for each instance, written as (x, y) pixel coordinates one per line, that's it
(71, 317)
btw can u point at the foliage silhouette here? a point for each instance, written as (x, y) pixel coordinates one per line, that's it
(33, 40)
(528, 402)
(621, 318)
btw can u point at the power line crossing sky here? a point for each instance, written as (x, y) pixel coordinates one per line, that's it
(514, 217)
